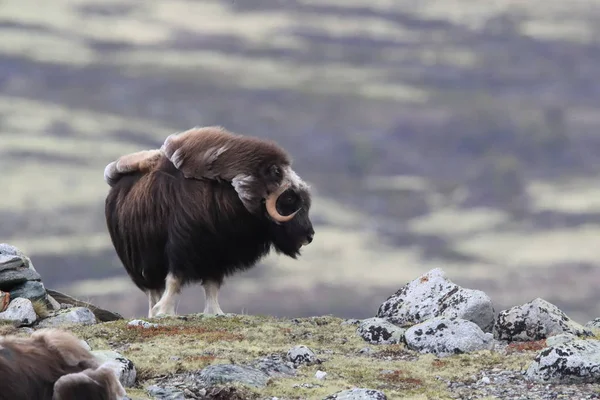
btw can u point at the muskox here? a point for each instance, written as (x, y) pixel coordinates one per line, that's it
(52, 364)
(205, 205)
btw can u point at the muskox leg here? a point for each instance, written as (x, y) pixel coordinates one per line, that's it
(211, 295)
(153, 298)
(166, 304)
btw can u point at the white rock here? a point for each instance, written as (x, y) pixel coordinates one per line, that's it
(357, 394)
(69, 316)
(433, 295)
(21, 311)
(445, 337)
(142, 323)
(560, 339)
(486, 380)
(320, 375)
(301, 354)
(535, 320)
(122, 366)
(577, 361)
(380, 331)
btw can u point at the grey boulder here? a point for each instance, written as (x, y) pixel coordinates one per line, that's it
(357, 394)
(434, 295)
(122, 366)
(577, 361)
(447, 336)
(380, 331)
(230, 373)
(20, 311)
(69, 316)
(535, 320)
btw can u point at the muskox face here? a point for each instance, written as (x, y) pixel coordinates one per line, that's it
(289, 236)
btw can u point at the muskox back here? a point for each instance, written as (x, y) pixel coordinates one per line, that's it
(161, 222)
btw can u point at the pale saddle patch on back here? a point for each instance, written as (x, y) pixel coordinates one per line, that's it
(142, 161)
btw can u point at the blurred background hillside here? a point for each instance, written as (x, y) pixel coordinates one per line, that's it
(455, 134)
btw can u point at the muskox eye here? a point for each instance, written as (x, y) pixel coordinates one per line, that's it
(275, 171)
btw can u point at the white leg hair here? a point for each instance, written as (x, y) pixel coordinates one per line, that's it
(211, 295)
(166, 304)
(153, 298)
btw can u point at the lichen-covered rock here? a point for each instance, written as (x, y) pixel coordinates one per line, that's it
(577, 361)
(535, 320)
(123, 367)
(380, 331)
(20, 311)
(560, 339)
(593, 324)
(357, 394)
(444, 336)
(274, 365)
(69, 316)
(141, 323)
(433, 295)
(161, 393)
(219, 374)
(301, 354)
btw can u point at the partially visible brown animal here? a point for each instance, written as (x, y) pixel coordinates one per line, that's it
(31, 367)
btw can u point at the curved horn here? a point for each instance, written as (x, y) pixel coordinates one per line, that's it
(272, 210)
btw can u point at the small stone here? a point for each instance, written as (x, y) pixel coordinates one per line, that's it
(447, 336)
(70, 316)
(122, 366)
(160, 393)
(55, 305)
(366, 350)
(380, 331)
(357, 394)
(320, 375)
(535, 320)
(351, 322)
(217, 374)
(486, 380)
(142, 323)
(20, 311)
(274, 365)
(301, 354)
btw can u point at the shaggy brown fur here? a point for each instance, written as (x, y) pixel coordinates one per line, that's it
(170, 229)
(29, 367)
(257, 168)
(214, 153)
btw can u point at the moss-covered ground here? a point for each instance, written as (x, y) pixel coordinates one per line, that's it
(190, 343)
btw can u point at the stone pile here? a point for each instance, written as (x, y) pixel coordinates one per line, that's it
(25, 303)
(433, 315)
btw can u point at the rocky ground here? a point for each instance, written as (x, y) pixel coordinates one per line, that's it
(432, 339)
